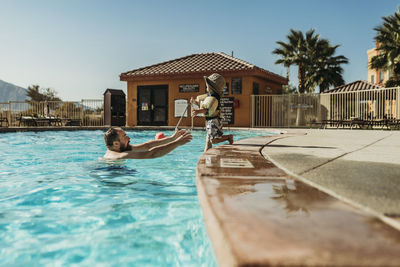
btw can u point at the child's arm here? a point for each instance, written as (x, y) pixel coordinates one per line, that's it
(199, 98)
(195, 112)
(192, 101)
(198, 102)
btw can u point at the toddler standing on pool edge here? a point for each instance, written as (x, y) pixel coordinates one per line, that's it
(209, 105)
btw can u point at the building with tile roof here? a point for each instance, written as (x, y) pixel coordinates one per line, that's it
(157, 93)
(354, 87)
(362, 99)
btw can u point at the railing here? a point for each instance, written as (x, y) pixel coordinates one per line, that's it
(365, 104)
(58, 113)
(301, 110)
(284, 110)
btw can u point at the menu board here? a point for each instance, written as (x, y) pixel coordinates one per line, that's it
(225, 91)
(188, 88)
(236, 86)
(227, 110)
(180, 108)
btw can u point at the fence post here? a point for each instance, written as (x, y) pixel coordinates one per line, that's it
(9, 114)
(398, 103)
(82, 122)
(319, 108)
(289, 96)
(252, 111)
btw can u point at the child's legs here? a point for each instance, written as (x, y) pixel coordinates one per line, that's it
(213, 131)
(223, 138)
(215, 134)
(208, 144)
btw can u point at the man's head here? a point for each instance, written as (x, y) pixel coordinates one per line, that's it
(116, 139)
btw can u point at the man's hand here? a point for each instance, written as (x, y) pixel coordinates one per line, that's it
(184, 138)
(178, 134)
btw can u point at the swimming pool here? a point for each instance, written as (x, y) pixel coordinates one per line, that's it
(61, 205)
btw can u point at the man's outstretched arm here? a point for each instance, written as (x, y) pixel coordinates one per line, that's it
(156, 151)
(154, 143)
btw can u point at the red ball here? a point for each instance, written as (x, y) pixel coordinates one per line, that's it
(160, 135)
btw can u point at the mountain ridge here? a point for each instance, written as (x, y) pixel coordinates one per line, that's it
(11, 92)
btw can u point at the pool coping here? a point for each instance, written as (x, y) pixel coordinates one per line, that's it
(241, 241)
(76, 128)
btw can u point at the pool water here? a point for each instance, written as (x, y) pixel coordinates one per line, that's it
(62, 205)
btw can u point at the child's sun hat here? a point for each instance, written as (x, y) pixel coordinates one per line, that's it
(215, 82)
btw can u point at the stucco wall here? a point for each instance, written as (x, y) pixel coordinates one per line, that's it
(242, 114)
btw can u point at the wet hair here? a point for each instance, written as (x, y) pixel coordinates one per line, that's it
(111, 135)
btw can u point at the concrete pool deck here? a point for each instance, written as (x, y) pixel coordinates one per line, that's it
(304, 198)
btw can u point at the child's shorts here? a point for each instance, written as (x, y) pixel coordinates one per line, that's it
(214, 128)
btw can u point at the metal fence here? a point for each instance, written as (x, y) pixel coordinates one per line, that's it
(284, 110)
(367, 104)
(302, 110)
(58, 113)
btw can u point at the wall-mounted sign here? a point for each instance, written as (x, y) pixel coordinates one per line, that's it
(187, 88)
(236, 86)
(227, 110)
(180, 107)
(225, 91)
(145, 106)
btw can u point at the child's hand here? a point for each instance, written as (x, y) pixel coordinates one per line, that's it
(192, 100)
(198, 111)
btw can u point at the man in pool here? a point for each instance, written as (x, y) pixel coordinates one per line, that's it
(118, 147)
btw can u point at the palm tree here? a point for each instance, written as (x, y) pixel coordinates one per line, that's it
(315, 61)
(388, 46)
(295, 52)
(325, 69)
(314, 57)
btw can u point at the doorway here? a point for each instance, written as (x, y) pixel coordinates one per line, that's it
(152, 105)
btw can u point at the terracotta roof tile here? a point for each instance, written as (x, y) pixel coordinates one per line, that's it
(354, 86)
(200, 63)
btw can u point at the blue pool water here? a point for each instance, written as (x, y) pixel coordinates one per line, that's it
(61, 205)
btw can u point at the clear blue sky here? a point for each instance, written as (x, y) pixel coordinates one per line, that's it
(79, 48)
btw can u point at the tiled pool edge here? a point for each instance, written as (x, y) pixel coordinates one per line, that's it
(161, 128)
(222, 225)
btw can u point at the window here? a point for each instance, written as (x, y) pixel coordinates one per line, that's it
(255, 89)
(236, 86)
(372, 78)
(390, 73)
(381, 76)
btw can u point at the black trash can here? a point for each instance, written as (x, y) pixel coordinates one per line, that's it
(114, 107)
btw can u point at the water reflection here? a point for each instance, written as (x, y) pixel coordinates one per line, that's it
(113, 173)
(298, 197)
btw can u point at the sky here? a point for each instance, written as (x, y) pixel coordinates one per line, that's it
(79, 48)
